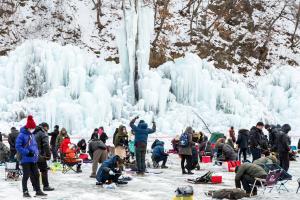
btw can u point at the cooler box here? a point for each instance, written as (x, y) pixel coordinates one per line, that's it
(206, 159)
(231, 165)
(184, 198)
(216, 179)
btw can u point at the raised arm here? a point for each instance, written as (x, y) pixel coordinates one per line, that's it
(153, 129)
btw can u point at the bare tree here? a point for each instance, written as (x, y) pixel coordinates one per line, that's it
(195, 7)
(296, 14)
(99, 14)
(163, 15)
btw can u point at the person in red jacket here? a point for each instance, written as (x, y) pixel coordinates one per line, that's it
(69, 151)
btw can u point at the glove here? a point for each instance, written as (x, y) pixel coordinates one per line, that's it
(111, 173)
(30, 154)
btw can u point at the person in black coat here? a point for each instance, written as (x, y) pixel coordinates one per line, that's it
(42, 140)
(82, 145)
(243, 143)
(103, 136)
(12, 143)
(54, 148)
(256, 135)
(283, 144)
(94, 135)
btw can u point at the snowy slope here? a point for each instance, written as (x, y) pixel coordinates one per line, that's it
(68, 86)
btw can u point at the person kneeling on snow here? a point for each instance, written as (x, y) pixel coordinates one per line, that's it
(158, 154)
(110, 171)
(228, 153)
(246, 173)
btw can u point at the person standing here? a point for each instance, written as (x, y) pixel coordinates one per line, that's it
(141, 137)
(121, 142)
(98, 153)
(54, 148)
(62, 135)
(94, 135)
(243, 142)
(27, 147)
(185, 150)
(102, 135)
(283, 144)
(232, 134)
(12, 143)
(42, 140)
(255, 140)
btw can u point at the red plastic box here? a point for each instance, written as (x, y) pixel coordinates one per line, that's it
(206, 159)
(216, 179)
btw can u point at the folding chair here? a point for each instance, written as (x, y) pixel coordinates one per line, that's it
(283, 179)
(270, 181)
(67, 165)
(298, 185)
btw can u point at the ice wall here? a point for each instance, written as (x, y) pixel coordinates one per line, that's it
(72, 88)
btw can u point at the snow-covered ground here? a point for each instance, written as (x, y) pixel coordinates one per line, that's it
(152, 186)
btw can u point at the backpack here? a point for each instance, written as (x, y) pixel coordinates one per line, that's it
(184, 140)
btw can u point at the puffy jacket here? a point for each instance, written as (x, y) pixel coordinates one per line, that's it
(65, 145)
(273, 132)
(121, 138)
(283, 142)
(228, 152)
(82, 145)
(21, 141)
(159, 150)
(250, 169)
(141, 131)
(243, 139)
(106, 166)
(255, 137)
(42, 141)
(94, 145)
(12, 139)
(266, 161)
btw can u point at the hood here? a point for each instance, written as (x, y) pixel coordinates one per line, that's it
(143, 125)
(160, 143)
(286, 128)
(244, 132)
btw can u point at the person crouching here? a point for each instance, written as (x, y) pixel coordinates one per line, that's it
(158, 154)
(110, 171)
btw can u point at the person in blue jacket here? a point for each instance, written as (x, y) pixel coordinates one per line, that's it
(110, 171)
(26, 146)
(158, 154)
(141, 132)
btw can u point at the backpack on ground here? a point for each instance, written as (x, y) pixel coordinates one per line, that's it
(184, 140)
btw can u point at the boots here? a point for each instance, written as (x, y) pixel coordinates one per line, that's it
(40, 193)
(184, 172)
(48, 188)
(26, 194)
(79, 169)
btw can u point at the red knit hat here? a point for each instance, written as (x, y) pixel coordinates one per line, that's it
(30, 122)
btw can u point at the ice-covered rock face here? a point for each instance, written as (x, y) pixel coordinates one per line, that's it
(67, 86)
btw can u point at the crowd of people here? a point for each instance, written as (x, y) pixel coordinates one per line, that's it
(30, 147)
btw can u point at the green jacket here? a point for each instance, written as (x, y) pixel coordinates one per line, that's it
(251, 170)
(266, 161)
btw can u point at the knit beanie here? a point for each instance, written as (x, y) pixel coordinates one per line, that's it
(30, 123)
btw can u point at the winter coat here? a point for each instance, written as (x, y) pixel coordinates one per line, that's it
(243, 139)
(94, 145)
(250, 169)
(65, 145)
(230, 142)
(103, 137)
(94, 136)
(273, 132)
(283, 142)
(53, 135)
(42, 141)
(255, 137)
(186, 150)
(299, 144)
(61, 137)
(12, 139)
(232, 135)
(141, 131)
(121, 138)
(106, 166)
(4, 152)
(266, 161)
(158, 150)
(21, 141)
(82, 145)
(228, 152)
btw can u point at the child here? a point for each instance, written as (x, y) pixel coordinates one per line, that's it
(69, 152)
